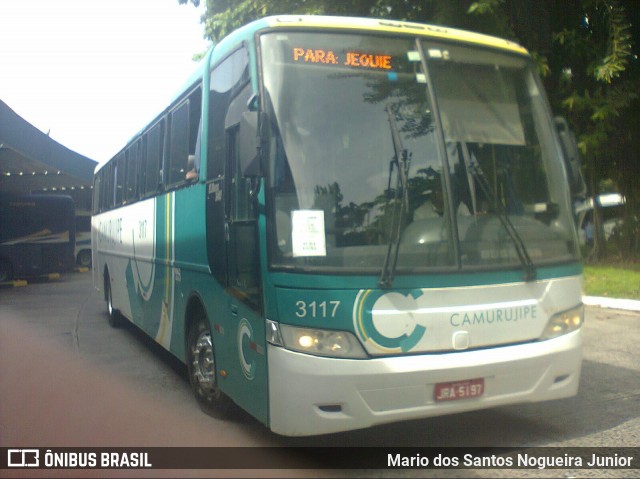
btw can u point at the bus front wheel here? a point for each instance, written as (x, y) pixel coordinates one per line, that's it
(201, 364)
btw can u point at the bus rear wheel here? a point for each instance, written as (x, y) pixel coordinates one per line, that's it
(115, 319)
(201, 365)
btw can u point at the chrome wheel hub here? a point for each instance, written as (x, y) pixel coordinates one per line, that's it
(203, 365)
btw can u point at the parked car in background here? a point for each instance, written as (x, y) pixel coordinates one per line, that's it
(612, 211)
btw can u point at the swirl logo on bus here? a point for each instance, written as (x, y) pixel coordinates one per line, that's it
(246, 331)
(386, 320)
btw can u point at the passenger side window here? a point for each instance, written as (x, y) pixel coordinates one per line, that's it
(97, 187)
(184, 124)
(106, 192)
(178, 144)
(132, 172)
(118, 180)
(153, 161)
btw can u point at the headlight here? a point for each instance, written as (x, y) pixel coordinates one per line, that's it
(564, 323)
(319, 342)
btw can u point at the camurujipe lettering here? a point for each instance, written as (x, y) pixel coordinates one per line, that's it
(494, 316)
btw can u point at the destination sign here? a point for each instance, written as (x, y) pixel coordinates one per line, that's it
(354, 59)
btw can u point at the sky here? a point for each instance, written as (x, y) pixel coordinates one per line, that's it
(92, 73)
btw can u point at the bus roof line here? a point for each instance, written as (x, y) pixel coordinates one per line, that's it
(392, 26)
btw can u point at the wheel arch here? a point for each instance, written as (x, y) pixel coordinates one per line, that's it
(194, 310)
(106, 277)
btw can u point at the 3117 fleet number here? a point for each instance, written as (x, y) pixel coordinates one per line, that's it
(317, 309)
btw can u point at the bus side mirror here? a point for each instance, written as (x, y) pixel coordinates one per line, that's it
(573, 159)
(249, 145)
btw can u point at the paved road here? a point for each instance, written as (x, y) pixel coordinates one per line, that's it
(68, 379)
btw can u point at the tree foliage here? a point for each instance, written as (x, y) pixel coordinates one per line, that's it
(584, 50)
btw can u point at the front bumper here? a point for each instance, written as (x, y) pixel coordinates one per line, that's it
(310, 395)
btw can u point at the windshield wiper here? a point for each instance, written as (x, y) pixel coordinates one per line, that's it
(521, 250)
(401, 161)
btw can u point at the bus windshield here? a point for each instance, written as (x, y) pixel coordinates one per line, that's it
(455, 166)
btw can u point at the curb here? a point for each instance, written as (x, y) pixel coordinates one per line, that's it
(19, 283)
(16, 283)
(612, 303)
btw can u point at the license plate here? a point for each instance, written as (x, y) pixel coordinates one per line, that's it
(470, 388)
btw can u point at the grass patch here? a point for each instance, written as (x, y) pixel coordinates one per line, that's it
(612, 281)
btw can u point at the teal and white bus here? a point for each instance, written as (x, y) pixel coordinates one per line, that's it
(346, 222)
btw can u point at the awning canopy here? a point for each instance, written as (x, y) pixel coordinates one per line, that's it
(32, 162)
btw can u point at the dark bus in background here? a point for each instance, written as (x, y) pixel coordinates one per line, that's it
(37, 235)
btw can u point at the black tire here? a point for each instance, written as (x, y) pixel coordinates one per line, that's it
(84, 258)
(115, 318)
(203, 375)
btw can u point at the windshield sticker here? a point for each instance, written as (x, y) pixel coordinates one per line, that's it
(307, 233)
(413, 56)
(437, 53)
(351, 59)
